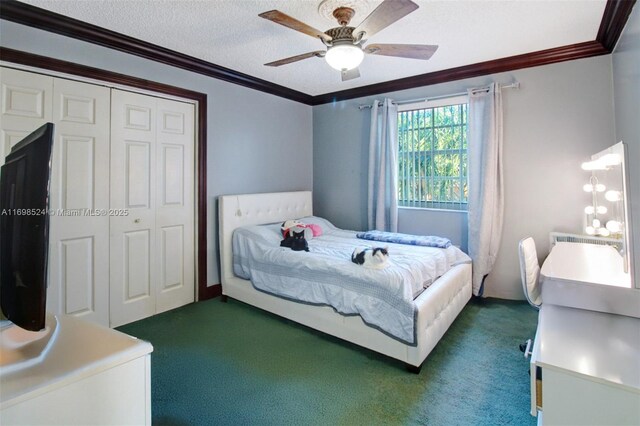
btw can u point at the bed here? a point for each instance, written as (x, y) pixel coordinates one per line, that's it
(435, 308)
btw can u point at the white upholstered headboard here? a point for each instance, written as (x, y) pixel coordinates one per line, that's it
(253, 209)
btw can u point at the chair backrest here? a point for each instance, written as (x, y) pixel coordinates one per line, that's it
(530, 271)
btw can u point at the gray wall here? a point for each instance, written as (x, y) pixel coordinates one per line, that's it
(256, 142)
(626, 83)
(561, 115)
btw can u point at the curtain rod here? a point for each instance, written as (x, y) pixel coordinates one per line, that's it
(515, 85)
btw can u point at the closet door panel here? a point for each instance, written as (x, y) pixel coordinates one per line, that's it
(79, 199)
(171, 257)
(137, 183)
(137, 265)
(175, 204)
(26, 105)
(134, 274)
(172, 163)
(76, 258)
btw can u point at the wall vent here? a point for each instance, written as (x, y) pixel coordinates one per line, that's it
(561, 237)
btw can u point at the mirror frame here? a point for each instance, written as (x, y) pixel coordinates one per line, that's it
(627, 243)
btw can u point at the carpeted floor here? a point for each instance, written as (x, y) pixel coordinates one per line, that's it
(229, 363)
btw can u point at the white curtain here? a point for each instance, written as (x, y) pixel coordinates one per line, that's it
(486, 192)
(383, 167)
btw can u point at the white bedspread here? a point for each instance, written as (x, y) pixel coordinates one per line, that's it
(326, 276)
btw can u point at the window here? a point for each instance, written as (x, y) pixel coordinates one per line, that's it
(432, 154)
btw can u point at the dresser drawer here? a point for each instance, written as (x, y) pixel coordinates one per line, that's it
(535, 372)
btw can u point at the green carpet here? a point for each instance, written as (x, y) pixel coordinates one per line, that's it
(229, 363)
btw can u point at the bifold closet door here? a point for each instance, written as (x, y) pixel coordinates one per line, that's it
(79, 198)
(175, 204)
(134, 270)
(121, 242)
(152, 180)
(78, 235)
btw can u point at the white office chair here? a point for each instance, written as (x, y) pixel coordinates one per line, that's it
(530, 275)
(530, 271)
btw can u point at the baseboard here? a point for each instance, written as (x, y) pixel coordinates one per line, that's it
(209, 292)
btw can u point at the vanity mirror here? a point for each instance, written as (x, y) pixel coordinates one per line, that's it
(597, 272)
(607, 214)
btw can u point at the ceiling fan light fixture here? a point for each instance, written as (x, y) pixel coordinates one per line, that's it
(344, 56)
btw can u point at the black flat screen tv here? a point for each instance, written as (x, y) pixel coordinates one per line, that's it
(24, 229)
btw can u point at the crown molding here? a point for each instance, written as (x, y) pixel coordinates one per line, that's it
(613, 21)
(614, 18)
(44, 62)
(527, 60)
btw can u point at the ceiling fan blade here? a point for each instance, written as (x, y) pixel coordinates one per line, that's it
(415, 51)
(350, 74)
(388, 12)
(289, 22)
(317, 53)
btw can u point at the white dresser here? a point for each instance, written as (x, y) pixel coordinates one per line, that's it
(585, 364)
(86, 374)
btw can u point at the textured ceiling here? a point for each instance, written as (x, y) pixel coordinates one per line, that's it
(229, 33)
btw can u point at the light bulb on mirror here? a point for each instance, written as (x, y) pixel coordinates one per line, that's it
(610, 160)
(614, 226)
(613, 196)
(590, 230)
(587, 187)
(589, 210)
(604, 232)
(602, 163)
(596, 223)
(589, 165)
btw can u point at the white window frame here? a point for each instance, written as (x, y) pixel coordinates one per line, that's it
(435, 103)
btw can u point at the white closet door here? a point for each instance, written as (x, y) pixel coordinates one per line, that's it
(79, 194)
(122, 242)
(26, 105)
(174, 206)
(134, 271)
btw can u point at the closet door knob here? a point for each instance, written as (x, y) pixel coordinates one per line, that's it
(137, 221)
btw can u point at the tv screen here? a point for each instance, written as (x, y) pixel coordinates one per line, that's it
(24, 229)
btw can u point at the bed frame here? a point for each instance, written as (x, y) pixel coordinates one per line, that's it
(437, 307)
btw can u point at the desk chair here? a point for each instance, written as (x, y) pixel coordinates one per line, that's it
(530, 271)
(530, 275)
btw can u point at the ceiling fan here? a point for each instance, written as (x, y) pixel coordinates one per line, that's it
(345, 45)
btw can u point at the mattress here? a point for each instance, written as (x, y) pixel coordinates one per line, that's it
(326, 276)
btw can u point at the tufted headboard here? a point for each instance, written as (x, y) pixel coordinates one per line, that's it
(253, 209)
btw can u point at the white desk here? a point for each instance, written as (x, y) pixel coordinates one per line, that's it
(588, 276)
(590, 367)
